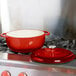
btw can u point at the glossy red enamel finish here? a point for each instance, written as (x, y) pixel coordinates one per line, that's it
(53, 60)
(22, 74)
(25, 45)
(52, 55)
(5, 73)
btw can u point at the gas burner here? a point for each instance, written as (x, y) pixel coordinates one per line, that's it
(62, 43)
(3, 42)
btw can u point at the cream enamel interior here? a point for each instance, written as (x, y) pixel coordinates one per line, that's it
(25, 33)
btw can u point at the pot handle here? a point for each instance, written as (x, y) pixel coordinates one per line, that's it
(46, 32)
(3, 35)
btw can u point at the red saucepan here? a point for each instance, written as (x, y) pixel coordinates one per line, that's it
(25, 41)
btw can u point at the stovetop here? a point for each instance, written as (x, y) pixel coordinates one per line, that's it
(8, 57)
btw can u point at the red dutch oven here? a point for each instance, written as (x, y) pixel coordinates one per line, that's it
(25, 41)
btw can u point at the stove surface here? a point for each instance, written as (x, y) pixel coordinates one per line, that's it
(9, 57)
(20, 63)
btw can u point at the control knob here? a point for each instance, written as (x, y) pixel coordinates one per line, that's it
(22, 74)
(5, 73)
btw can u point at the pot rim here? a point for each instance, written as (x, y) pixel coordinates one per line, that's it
(36, 33)
(25, 33)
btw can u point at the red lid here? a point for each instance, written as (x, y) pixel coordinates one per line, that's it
(51, 60)
(51, 53)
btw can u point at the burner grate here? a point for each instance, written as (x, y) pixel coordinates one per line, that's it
(62, 43)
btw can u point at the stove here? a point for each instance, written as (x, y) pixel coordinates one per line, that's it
(20, 64)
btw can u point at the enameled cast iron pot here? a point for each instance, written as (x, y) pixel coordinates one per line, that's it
(25, 41)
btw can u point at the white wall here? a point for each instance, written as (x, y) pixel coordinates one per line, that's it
(34, 14)
(31, 14)
(51, 15)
